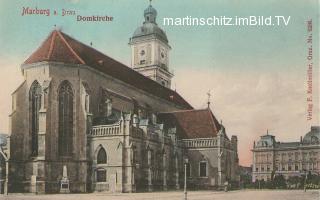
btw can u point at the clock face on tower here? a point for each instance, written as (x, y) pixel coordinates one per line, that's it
(142, 56)
(163, 55)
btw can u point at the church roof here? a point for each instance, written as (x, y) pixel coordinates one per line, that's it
(60, 47)
(192, 123)
(287, 144)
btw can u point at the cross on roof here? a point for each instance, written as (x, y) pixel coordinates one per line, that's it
(209, 96)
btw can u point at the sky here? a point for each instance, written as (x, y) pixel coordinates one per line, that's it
(257, 75)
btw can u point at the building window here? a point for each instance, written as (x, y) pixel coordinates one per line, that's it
(151, 157)
(102, 156)
(35, 103)
(268, 168)
(101, 175)
(87, 103)
(257, 169)
(65, 119)
(134, 155)
(296, 167)
(188, 170)
(109, 107)
(203, 169)
(262, 169)
(289, 168)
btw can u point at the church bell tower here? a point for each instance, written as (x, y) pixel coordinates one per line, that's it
(150, 50)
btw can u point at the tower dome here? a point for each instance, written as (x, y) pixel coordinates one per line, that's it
(150, 11)
(313, 136)
(150, 27)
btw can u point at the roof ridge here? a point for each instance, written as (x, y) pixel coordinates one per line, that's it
(70, 48)
(189, 110)
(51, 44)
(212, 119)
(115, 60)
(97, 51)
(43, 42)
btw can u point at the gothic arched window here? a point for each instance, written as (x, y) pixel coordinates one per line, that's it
(65, 119)
(35, 103)
(102, 156)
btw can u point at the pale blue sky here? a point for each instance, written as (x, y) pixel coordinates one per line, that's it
(257, 74)
(254, 48)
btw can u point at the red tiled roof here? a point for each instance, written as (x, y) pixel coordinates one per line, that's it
(192, 123)
(59, 47)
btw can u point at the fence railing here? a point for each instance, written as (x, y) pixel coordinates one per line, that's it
(195, 143)
(106, 130)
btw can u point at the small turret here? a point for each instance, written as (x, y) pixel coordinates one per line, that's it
(234, 142)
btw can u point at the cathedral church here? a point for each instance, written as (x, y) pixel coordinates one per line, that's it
(83, 122)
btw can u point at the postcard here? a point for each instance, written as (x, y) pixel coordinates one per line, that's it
(158, 99)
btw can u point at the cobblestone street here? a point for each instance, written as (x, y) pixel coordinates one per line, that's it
(195, 195)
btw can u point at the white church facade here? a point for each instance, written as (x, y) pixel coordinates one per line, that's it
(83, 122)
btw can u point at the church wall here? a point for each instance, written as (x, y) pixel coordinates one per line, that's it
(114, 166)
(52, 167)
(77, 165)
(59, 74)
(157, 165)
(19, 127)
(20, 170)
(139, 161)
(19, 123)
(39, 74)
(211, 157)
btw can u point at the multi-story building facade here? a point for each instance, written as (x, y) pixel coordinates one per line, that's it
(287, 158)
(82, 122)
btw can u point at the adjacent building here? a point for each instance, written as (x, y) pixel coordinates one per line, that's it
(82, 122)
(287, 158)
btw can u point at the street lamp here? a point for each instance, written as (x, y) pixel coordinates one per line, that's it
(305, 180)
(186, 161)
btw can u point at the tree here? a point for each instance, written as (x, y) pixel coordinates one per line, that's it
(294, 181)
(279, 182)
